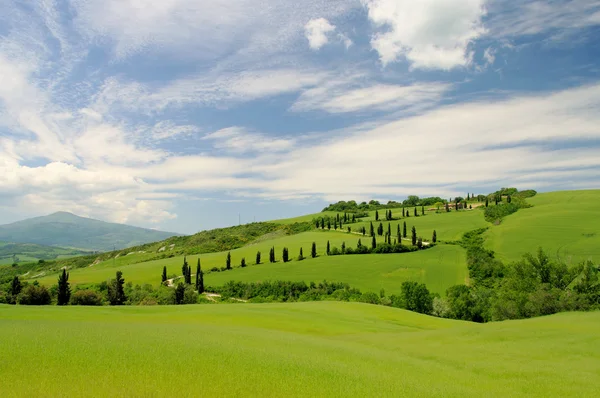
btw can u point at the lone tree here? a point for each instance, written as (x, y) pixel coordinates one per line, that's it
(343, 247)
(372, 230)
(376, 215)
(64, 290)
(322, 223)
(434, 237)
(373, 242)
(328, 248)
(243, 262)
(301, 255)
(116, 293)
(199, 278)
(313, 250)
(422, 210)
(419, 243)
(403, 214)
(380, 229)
(258, 257)
(228, 261)
(416, 215)
(164, 274)
(414, 235)
(359, 244)
(404, 230)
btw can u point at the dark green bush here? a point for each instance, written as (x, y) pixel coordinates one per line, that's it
(86, 297)
(35, 295)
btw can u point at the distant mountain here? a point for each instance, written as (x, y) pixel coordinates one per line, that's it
(68, 230)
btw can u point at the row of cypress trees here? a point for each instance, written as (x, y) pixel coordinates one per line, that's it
(187, 274)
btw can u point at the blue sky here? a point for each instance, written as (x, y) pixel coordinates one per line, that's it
(183, 114)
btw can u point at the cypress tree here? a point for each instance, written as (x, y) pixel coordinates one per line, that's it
(419, 243)
(398, 229)
(447, 207)
(179, 293)
(404, 230)
(349, 230)
(416, 212)
(198, 275)
(422, 210)
(328, 248)
(434, 237)
(322, 223)
(335, 224)
(468, 198)
(301, 256)
(343, 247)
(64, 290)
(189, 276)
(243, 262)
(353, 218)
(200, 279)
(407, 213)
(285, 255)
(329, 224)
(258, 257)
(164, 274)
(184, 268)
(15, 288)
(341, 225)
(414, 235)
(486, 202)
(228, 261)
(364, 231)
(376, 215)
(508, 199)
(389, 231)
(380, 229)
(359, 244)
(403, 213)
(372, 229)
(399, 238)
(318, 223)
(373, 242)
(313, 250)
(337, 217)
(345, 217)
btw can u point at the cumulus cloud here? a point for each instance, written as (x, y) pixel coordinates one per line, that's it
(316, 31)
(430, 34)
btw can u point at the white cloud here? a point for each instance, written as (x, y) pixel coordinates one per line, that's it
(343, 95)
(530, 17)
(430, 34)
(240, 140)
(316, 31)
(489, 55)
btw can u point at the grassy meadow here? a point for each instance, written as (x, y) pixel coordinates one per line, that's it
(274, 350)
(566, 224)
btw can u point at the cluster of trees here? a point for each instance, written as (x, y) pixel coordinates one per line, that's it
(410, 201)
(534, 286)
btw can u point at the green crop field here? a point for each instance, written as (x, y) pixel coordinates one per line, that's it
(566, 224)
(276, 350)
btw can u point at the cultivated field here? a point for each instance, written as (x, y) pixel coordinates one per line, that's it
(300, 349)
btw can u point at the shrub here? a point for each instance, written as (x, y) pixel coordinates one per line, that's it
(86, 297)
(35, 295)
(369, 298)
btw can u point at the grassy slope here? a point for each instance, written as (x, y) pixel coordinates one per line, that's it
(439, 267)
(31, 252)
(316, 349)
(565, 224)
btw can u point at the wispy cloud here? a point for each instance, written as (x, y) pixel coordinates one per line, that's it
(240, 140)
(316, 31)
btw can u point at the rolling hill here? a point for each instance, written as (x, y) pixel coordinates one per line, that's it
(275, 350)
(70, 231)
(11, 253)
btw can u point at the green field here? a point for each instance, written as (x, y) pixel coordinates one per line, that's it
(566, 224)
(276, 350)
(31, 252)
(439, 267)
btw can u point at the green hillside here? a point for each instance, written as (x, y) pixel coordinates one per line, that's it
(68, 230)
(277, 350)
(566, 224)
(11, 253)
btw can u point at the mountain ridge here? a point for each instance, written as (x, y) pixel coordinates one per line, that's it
(68, 230)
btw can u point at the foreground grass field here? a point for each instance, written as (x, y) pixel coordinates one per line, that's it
(566, 224)
(276, 350)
